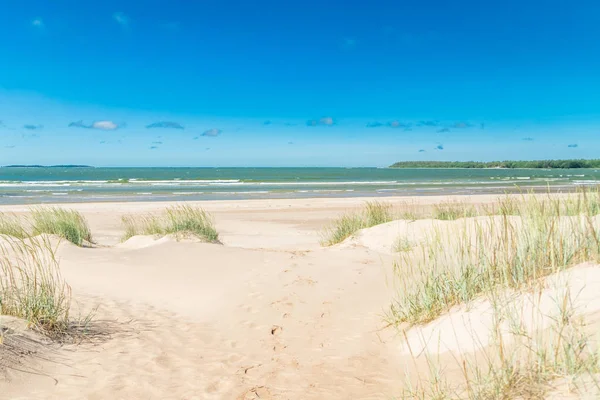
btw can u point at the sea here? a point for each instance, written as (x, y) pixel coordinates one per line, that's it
(32, 185)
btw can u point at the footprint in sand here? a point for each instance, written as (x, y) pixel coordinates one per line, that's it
(278, 346)
(256, 295)
(276, 330)
(249, 309)
(257, 392)
(300, 280)
(283, 305)
(250, 370)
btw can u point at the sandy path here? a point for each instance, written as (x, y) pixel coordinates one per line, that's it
(269, 314)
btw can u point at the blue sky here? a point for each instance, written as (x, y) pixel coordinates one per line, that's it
(273, 83)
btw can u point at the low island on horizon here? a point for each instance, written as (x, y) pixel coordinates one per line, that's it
(47, 166)
(539, 164)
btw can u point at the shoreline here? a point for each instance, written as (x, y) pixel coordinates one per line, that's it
(272, 203)
(76, 185)
(381, 195)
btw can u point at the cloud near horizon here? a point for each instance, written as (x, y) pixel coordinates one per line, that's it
(428, 123)
(101, 125)
(573, 145)
(374, 124)
(462, 125)
(527, 139)
(165, 124)
(212, 132)
(443, 130)
(32, 127)
(326, 121)
(398, 124)
(30, 135)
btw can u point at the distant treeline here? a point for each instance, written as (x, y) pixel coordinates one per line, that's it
(499, 164)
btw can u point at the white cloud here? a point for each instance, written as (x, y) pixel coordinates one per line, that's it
(38, 23)
(102, 125)
(121, 18)
(326, 121)
(105, 125)
(212, 132)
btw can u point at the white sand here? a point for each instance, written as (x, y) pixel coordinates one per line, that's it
(469, 329)
(269, 314)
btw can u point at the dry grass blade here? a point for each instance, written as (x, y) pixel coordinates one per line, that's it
(402, 244)
(11, 225)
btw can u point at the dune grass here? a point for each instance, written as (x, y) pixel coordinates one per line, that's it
(177, 220)
(402, 244)
(520, 362)
(585, 201)
(377, 213)
(141, 225)
(449, 211)
(68, 224)
(533, 237)
(373, 213)
(478, 256)
(409, 215)
(11, 225)
(526, 365)
(342, 228)
(32, 288)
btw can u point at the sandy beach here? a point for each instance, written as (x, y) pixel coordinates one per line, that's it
(269, 313)
(316, 200)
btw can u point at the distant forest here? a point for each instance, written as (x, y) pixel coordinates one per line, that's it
(499, 164)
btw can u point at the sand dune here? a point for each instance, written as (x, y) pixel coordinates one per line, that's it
(467, 329)
(268, 314)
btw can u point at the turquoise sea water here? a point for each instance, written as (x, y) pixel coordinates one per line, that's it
(58, 185)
